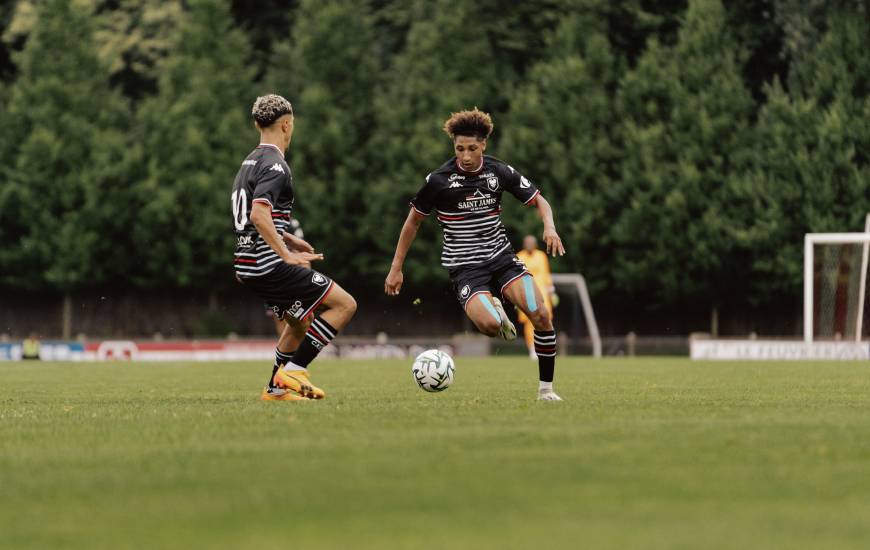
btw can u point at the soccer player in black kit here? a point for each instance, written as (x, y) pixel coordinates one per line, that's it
(269, 259)
(465, 193)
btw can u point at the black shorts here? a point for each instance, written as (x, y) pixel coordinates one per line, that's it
(491, 276)
(291, 290)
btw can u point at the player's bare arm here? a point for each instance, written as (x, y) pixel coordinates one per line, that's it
(297, 244)
(551, 238)
(261, 217)
(395, 278)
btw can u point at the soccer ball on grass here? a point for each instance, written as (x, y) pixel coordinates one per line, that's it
(433, 370)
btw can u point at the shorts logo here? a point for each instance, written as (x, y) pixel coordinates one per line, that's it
(318, 279)
(278, 313)
(492, 183)
(296, 310)
(466, 290)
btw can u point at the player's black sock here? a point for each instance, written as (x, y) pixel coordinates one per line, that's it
(545, 347)
(319, 335)
(281, 359)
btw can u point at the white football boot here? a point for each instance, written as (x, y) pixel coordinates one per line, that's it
(548, 395)
(508, 331)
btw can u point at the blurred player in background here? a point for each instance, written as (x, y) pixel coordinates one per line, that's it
(465, 193)
(538, 265)
(270, 260)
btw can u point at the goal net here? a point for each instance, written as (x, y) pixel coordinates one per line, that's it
(835, 287)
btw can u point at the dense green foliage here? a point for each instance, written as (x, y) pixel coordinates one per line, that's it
(653, 454)
(686, 147)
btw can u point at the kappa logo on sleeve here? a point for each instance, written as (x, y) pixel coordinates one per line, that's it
(277, 168)
(318, 279)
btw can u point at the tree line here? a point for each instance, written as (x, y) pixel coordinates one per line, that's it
(686, 146)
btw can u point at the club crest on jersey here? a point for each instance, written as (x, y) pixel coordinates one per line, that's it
(492, 183)
(276, 168)
(466, 290)
(318, 279)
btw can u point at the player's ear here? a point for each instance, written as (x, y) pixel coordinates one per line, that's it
(483, 144)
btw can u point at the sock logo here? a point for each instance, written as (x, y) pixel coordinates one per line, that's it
(318, 279)
(466, 290)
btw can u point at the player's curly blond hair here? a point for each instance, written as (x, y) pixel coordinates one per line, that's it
(269, 108)
(474, 123)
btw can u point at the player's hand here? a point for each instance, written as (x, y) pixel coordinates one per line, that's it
(554, 243)
(295, 244)
(394, 281)
(303, 258)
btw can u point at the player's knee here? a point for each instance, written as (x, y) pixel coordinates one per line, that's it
(347, 305)
(541, 319)
(488, 326)
(351, 305)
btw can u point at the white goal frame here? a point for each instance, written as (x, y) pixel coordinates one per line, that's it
(812, 239)
(579, 283)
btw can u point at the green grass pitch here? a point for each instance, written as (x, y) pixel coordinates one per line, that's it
(644, 453)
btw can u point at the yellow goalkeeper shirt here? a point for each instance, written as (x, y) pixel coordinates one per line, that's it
(539, 266)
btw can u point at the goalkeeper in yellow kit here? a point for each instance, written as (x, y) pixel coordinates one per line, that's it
(539, 266)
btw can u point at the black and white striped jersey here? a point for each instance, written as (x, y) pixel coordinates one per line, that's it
(263, 177)
(468, 206)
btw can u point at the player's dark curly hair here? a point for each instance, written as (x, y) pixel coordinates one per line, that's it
(269, 108)
(474, 123)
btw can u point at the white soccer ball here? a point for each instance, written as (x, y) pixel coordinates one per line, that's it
(433, 370)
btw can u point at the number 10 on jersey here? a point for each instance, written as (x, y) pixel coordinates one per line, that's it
(240, 209)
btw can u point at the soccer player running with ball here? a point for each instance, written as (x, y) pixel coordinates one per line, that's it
(465, 193)
(271, 261)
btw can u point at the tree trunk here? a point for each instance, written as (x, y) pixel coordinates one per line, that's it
(66, 317)
(714, 322)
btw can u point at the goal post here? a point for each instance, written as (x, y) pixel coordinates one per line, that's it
(836, 313)
(576, 281)
(842, 284)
